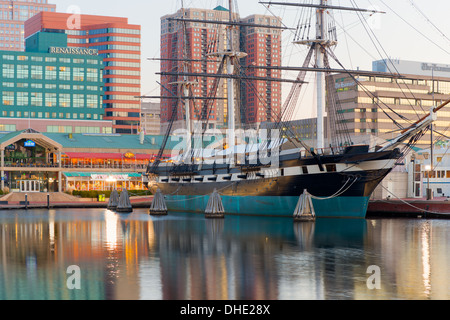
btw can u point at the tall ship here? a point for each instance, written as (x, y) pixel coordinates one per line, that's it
(266, 176)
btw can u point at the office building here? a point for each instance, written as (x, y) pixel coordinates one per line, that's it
(369, 106)
(257, 100)
(151, 118)
(119, 44)
(13, 15)
(50, 90)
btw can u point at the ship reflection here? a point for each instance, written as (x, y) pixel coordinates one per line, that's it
(188, 257)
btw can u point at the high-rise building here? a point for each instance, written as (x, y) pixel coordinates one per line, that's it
(13, 15)
(119, 44)
(50, 88)
(258, 100)
(261, 99)
(197, 42)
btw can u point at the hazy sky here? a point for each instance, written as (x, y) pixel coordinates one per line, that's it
(415, 30)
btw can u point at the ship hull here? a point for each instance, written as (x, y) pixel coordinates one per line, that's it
(275, 206)
(343, 193)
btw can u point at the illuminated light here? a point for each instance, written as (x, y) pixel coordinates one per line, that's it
(111, 230)
(111, 179)
(129, 155)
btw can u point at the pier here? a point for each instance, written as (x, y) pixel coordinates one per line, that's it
(438, 208)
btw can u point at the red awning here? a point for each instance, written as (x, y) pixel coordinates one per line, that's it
(85, 155)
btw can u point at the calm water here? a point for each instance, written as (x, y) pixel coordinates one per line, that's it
(185, 257)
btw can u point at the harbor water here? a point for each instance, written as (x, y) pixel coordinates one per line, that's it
(97, 254)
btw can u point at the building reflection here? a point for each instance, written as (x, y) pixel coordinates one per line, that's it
(186, 257)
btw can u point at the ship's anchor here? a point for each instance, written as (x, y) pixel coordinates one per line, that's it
(113, 200)
(158, 206)
(304, 212)
(215, 208)
(124, 205)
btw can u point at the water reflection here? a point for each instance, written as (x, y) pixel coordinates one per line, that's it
(188, 257)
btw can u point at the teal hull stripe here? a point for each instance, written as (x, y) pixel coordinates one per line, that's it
(340, 207)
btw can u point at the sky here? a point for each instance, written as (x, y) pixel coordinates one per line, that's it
(416, 30)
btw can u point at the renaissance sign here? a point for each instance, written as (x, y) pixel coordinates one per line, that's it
(80, 51)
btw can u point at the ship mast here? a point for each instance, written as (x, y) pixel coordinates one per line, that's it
(230, 84)
(185, 84)
(320, 44)
(321, 90)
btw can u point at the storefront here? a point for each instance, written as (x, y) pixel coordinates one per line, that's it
(51, 162)
(84, 181)
(30, 162)
(33, 181)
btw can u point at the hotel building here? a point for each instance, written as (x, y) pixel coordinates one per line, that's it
(51, 92)
(13, 14)
(258, 101)
(119, 44)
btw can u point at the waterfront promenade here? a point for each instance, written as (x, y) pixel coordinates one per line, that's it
(14, 201)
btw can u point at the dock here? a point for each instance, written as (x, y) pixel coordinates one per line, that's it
(438, 208)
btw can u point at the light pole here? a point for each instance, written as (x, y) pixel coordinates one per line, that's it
(429, 191)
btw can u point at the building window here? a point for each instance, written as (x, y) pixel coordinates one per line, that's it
(8, 71)
(36, 99)
(36, 72)
(64, 100)
(78, 101)
(22, 99)
(78, 74)
(64, 73)
(92, 101)
(92, 75)
(22, 72)
(50, 99)
(8, 98)
(50, 73)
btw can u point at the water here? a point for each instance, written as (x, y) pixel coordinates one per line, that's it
(186, 257)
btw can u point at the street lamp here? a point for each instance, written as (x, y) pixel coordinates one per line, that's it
(429, 191)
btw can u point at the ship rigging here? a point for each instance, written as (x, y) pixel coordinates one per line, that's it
(340, 178)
